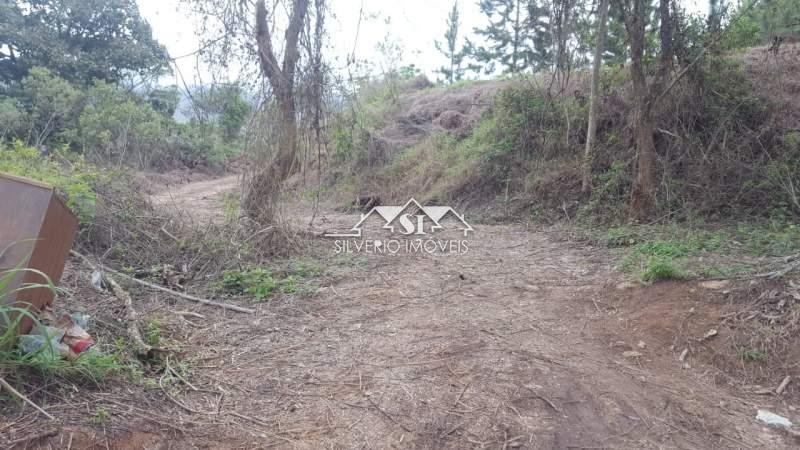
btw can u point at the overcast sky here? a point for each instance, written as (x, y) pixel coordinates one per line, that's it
(414, 24)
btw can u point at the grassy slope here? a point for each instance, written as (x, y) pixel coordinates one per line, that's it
(505, 148)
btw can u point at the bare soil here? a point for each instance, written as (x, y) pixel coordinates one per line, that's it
(518, 343)
(197, 201)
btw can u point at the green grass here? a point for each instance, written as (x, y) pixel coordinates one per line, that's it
(153, 333)
(101, 416)
(660, 269)
(92, 365)
(667, 252)
(231, 205)
(295, 277)
(752, 355)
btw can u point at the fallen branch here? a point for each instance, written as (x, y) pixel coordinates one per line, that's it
(140, 347)
(782, 387)
(28, 439)
(163, 289)
(22, 397)
(794, 264)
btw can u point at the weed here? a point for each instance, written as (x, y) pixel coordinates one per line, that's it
(658, 269)
(153, 333)
(294, 277)
(620, 237)
(90, 365)
(306, 268)
(257, 282)
(231, 205)
(752, 355)
(679, 244)
(726, 271)
(100, 417)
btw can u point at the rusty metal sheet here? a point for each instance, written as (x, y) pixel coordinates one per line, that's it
(36, 230)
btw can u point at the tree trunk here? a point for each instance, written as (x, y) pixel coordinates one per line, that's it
(264, 186)
(287, 151)
(643, 190)
(588, 157)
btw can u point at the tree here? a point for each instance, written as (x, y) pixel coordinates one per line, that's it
(455, 56)
(563, 14)
(165, 100)
(249, 33)
(594, 96)
(78, 40)
(117, 126)
(716, 8)
(615, 49)
(225, 105)
(517, 36)
(51, 105)
(645, 96)
(774, 17)
(281, 77)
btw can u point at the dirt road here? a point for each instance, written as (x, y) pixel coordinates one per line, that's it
(524, 341)
(198, 201)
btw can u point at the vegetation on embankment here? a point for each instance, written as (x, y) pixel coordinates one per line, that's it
(724, 154)
(722, 151)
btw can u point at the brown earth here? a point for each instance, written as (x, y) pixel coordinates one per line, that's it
(518, 343)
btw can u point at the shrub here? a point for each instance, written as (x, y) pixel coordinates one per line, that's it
(114, 127)
(12, 119)
(69, 174)
(51, 105)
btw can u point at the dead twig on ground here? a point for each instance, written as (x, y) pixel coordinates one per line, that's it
(168, 291)
(384, 414)
(782, 387)
(22, 397)
(28, 439)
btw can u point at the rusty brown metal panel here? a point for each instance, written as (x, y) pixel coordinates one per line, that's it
(52, 247)
(41, 229)
(22, 210)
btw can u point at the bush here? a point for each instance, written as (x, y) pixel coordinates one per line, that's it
(744, 31)
(70, 175)
(114, 127)
(51, 105)
(12, 120)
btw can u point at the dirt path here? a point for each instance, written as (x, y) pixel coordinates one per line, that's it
(518, 343)
(200, 200)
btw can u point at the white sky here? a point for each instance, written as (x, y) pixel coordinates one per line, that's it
(413, 24)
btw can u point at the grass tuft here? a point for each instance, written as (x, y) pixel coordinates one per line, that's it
(660, 269)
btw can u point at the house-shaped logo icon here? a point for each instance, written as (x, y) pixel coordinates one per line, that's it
(411, 218)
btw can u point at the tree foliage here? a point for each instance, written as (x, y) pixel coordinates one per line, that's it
(517, 36)
(79, 40)
(224, 105)
(116, 127)
(51, 104)
(451, 50)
